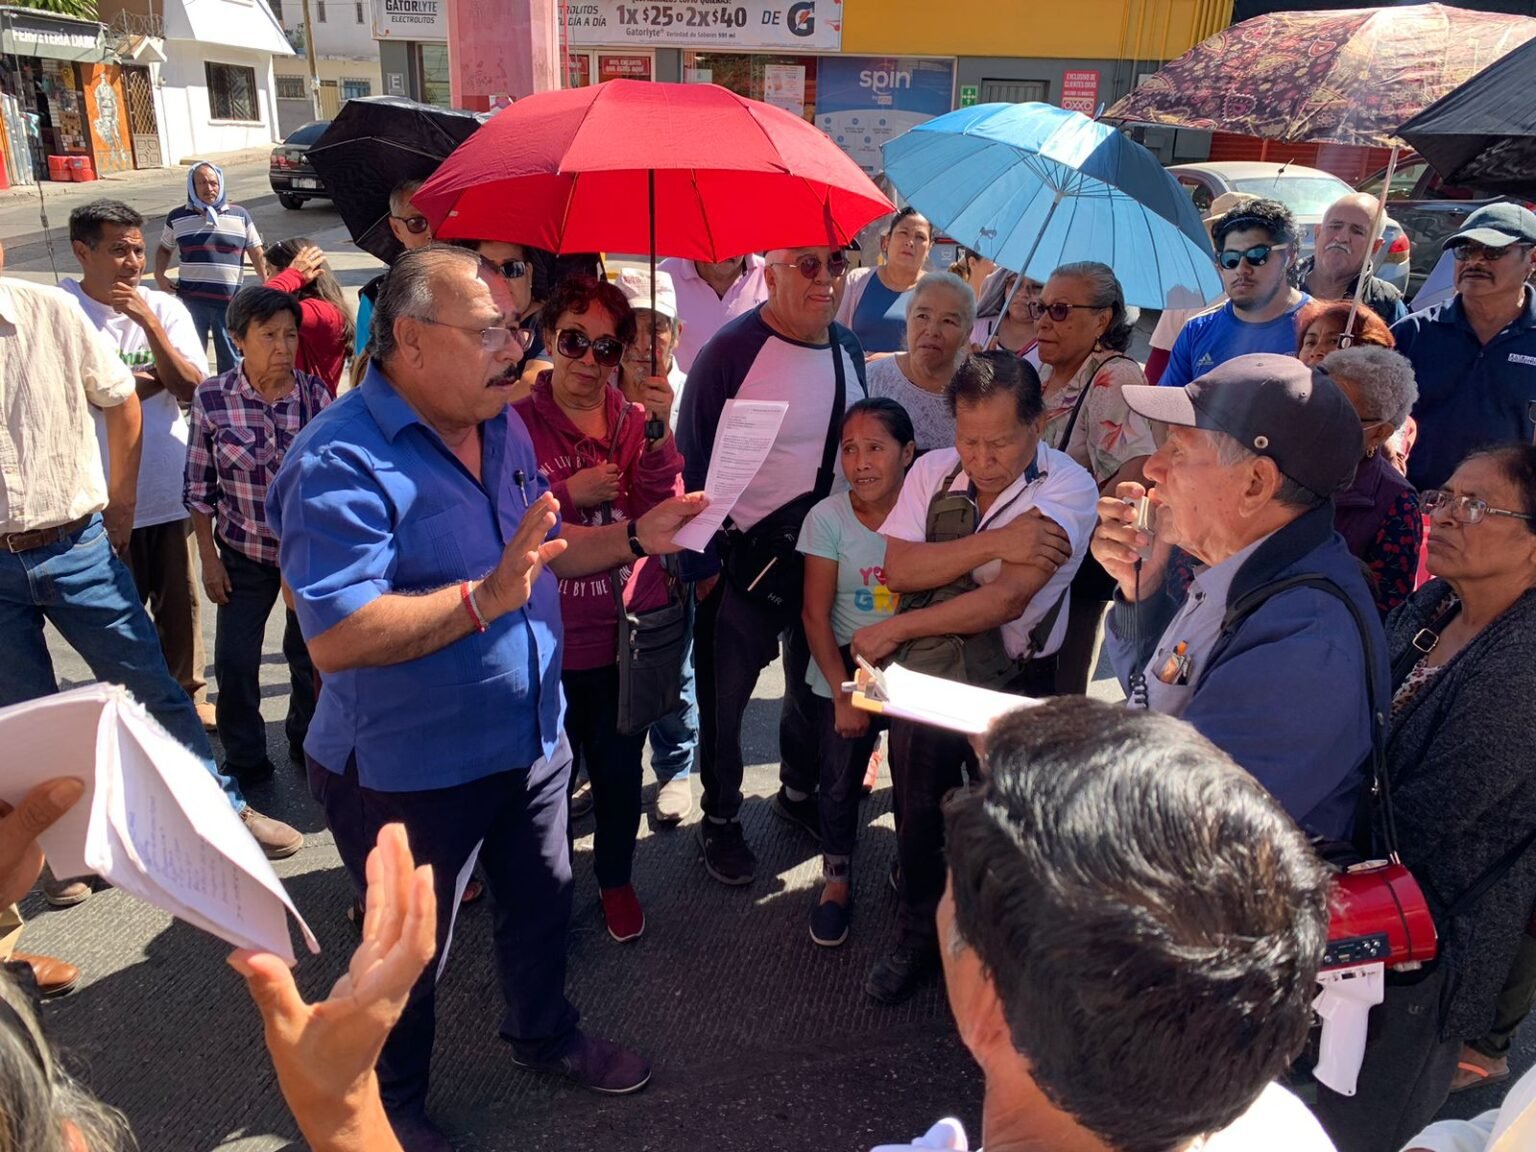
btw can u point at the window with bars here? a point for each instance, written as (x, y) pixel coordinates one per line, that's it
(231, 92)
(354, 89)
(291, 88)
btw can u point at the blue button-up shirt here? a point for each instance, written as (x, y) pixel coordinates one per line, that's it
(1471, 395)
(368, 502)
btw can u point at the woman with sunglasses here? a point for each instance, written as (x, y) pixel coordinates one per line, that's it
(1018, 329)
(1084, 332)
(1378, 515)
(591, 445)
(1462, 768)
(327, 330)
(874, 302)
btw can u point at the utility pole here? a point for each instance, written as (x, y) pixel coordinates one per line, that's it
(314, 69)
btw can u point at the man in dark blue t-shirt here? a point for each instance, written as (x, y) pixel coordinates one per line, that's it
(1255, 248)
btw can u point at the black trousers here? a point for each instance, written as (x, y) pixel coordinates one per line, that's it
(613, 765)
(926, 765)
(734, 640)
(517, 820)
(1405, 1077)
(241, 627)
(842, 760)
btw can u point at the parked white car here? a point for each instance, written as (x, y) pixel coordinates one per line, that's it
(1307, 192)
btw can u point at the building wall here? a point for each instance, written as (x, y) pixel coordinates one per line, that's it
(341, 33)
(1029, 29)
(188, 127)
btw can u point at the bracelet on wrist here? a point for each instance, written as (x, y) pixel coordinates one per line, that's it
(467, 597)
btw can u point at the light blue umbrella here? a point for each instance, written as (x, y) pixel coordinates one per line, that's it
(1033, 186)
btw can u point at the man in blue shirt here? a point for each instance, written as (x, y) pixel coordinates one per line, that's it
(416, 532)
(1255, 248)
(1475, 355)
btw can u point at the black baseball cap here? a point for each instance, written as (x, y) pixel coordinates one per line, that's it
(1496, 226)
(1272, 405)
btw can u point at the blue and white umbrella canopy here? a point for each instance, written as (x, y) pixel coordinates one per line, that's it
(1033, 187)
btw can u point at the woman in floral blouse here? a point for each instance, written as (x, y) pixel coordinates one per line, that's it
(1083, 335)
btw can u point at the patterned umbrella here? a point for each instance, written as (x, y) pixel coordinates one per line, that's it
(1348, 77)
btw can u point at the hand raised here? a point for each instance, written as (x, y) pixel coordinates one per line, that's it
(510, 584)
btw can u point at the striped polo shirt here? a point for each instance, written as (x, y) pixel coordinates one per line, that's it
(212, 255)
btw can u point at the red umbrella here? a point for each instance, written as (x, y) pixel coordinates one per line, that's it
(688, 170)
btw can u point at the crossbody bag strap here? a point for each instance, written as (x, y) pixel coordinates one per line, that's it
(1077, 406)
(1499, 869)
(825, 475)
(1422, 644)
(1380, 785)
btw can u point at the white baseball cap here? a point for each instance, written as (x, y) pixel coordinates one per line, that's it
(635, 283)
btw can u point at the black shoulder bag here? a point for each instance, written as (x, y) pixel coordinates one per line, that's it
(762, 562)
(651, 645)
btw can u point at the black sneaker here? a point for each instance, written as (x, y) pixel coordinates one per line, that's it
(803, 814)
(829, 923)
(900, 973)
(597, 1065)
(726, 855)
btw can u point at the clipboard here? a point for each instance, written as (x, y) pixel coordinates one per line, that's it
(906, 695)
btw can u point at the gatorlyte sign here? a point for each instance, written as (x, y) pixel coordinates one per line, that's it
(720, 25)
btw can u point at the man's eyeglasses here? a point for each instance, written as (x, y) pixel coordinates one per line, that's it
(810, 266)
(491, 339)
(1465, 250)
(415, 225)
(1059, 311)
(573, 345)
(1463, 509)
(1257, 256)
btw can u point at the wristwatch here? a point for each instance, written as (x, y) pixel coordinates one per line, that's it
(634, 542)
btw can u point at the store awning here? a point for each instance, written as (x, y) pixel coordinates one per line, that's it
(27, 33)
(249, 26)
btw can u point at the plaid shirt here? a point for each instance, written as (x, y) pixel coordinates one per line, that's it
(235, 444)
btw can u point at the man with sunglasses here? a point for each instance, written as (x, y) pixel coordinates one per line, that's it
(1475, 354)
(412, 230)
(422, 543)
(787, 349)
(1255, 248)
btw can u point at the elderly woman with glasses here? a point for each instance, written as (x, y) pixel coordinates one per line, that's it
(940, 313)
(1462, 767)
(592, 447)
(1378, 515)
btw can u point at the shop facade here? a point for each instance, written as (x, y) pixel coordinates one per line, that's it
(862, 70)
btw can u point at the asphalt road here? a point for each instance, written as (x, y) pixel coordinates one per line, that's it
(761, 1040)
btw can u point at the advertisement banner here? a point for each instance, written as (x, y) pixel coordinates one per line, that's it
(863, 101)
(410, 20)
(718, 25)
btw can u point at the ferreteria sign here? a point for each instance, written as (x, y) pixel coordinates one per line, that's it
(410, 19)
(50, 37)
(719, 25)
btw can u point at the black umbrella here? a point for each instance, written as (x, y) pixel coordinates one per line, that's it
(1483, 133)
(375, 144)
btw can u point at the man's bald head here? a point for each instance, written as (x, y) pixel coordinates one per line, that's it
(1347, 230)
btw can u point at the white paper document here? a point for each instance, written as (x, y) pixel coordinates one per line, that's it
(152, 821)
(743, 440)
(909, 695)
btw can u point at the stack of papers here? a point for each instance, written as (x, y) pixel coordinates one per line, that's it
(907, 695)
(152, 821)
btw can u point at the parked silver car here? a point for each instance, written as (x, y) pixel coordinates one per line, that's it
(1307, 192)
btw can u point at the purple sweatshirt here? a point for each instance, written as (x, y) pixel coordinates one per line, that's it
(646, 478)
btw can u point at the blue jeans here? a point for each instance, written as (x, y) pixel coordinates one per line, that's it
(208, 317)
(87, 593)
(676, 735)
